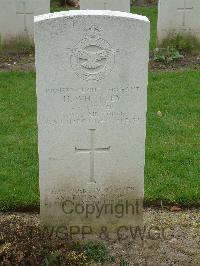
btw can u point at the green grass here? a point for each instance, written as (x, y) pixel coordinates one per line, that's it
(172, 147)
(19, 162)
(94, 252)
(151, 13)
(173, 140)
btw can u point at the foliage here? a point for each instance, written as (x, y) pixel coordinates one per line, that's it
(167, 55)
(51, 259)
(77, 258)
(80, 254)
(96, 252)
(148, 2)
(123, 263)
(63, 3)
(184, 44)
(4, 249)
(20, 44)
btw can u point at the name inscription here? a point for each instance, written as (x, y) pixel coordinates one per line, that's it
(92, 105)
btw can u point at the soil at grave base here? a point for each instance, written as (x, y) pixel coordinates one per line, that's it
(187, 62)
(17, 62)
(23, 244)
(25, 62)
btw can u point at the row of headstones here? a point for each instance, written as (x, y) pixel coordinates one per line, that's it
(175, 16)
(92, 74)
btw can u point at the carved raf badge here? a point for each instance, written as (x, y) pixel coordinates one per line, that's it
(93, 58)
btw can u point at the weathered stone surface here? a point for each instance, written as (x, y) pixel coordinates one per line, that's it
(17, 17)
(92, 100)
(116, 5)
(178, 17)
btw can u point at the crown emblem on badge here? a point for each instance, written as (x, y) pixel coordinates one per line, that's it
(93, 32)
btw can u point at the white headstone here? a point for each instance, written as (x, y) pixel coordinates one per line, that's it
(92, 100)
(178, 17)
(17, 17)
(116, 5)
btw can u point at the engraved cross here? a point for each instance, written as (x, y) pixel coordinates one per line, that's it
(24, 13)
(184, 10)
(92, 151)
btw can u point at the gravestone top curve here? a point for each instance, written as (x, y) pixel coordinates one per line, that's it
(74, 13)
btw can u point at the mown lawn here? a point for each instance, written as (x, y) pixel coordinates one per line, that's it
(172, 147)
(19, 162)
(173, 141)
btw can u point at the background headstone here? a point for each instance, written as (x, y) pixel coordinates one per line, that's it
(92, 71)
(178, 17)
(17, 17)
(116, 5)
